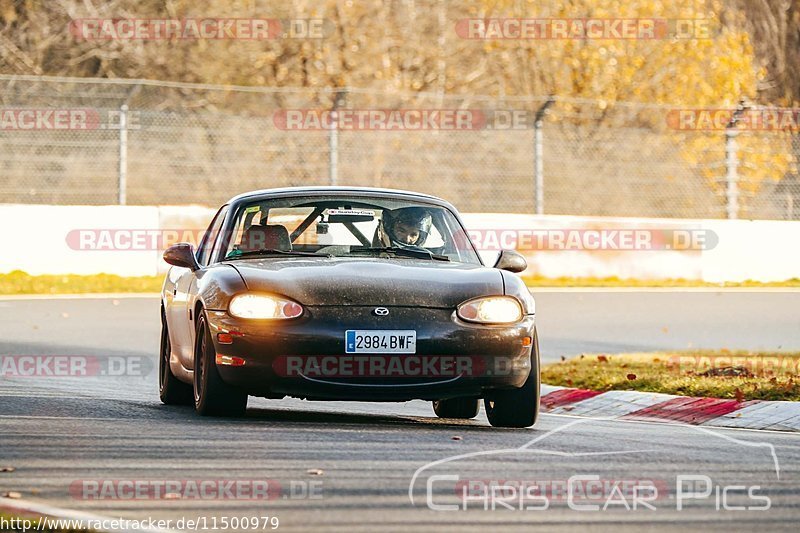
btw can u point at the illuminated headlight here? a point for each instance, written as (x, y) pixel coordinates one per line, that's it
(262, 306)
(491, 310)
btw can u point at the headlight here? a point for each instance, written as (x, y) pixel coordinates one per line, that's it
(262, 306)
(491, 310)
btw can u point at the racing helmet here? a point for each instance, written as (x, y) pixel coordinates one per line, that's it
(397, 223)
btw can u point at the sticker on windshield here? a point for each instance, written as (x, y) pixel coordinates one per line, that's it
(352, 212)
(253, 209)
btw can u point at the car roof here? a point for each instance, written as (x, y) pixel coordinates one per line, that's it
(339, 190)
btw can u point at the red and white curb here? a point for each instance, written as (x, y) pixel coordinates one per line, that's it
(657, 407)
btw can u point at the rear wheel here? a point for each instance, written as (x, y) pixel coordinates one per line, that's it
(517, 408)
(171, 390)
(212, 396)
(457, 408)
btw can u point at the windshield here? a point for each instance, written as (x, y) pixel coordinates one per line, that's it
(342, 226)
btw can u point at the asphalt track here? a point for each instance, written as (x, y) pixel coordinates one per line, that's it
(358, 466)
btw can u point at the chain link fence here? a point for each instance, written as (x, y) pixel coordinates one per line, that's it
(143, 142)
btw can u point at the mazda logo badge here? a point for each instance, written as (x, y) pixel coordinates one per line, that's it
(381, 311)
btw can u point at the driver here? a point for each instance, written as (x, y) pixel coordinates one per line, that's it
(407, 226)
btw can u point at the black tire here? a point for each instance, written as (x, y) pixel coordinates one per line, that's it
(171, 390)
(457, 408)
(517, 408)
(212, 396)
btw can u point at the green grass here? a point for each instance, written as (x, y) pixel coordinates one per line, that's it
(19, 282)
(767, 376)
(540, 281)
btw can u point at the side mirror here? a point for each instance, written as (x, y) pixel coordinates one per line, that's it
(511, 260)
(181, 255)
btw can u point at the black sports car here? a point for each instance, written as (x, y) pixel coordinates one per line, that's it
(339, 293)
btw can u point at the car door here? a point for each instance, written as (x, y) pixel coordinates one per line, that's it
(184, 285)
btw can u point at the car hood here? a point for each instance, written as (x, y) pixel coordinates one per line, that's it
(368, 281)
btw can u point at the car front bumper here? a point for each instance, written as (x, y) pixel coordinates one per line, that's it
(305, 357)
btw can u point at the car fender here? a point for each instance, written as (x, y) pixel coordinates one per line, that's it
(215, 286)
(514, 286)
(212, 289)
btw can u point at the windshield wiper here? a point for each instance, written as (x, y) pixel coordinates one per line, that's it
(238, 254)
(405, 252)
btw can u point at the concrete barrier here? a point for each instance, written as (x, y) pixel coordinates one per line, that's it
(761, 250)
(128, 241)
(705, 250)
(43, 239)
(560, 256)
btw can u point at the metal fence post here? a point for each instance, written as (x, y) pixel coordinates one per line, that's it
(731, 174)
(333, 139)
(732, 162)
(538, 154)
(333, 149)
(539, 177)
(123, 155)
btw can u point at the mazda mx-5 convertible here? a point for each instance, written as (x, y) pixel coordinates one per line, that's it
(339, 293)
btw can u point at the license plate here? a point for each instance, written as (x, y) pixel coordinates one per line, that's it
(380, 341)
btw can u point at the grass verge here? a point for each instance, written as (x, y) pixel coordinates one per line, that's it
(719, 374)
(539, 281)
(19, 282)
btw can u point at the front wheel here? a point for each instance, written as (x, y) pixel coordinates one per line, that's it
(463, 408)
(517, 408)
(212, 396)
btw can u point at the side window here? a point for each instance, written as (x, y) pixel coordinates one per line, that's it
(204, 251)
